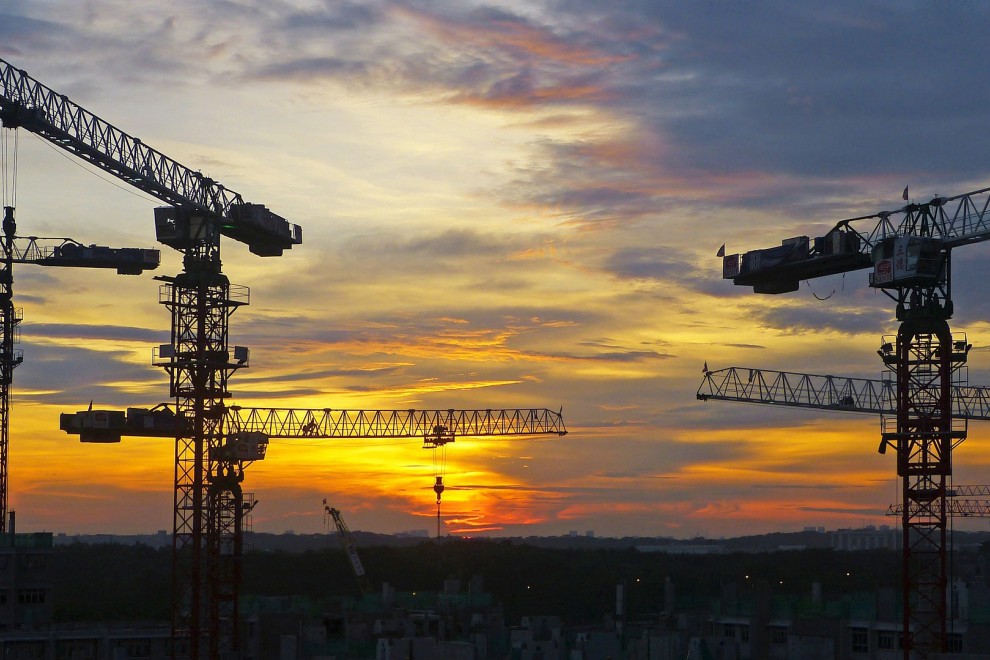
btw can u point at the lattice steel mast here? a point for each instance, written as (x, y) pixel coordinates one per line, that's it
(910, 252)
(197, 361)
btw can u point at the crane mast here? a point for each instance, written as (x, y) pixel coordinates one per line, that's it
(197, 361)
(9, 356)
(909, 250)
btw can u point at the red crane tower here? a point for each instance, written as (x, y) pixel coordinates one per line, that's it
(909, 250)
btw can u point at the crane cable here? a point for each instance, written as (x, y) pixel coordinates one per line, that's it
(823, 298)
(8, 165)
(439, 470)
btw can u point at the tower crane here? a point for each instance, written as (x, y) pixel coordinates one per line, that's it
(246, 433)
(349, 547)
(208, 469)
(197, 360)
(909, 250)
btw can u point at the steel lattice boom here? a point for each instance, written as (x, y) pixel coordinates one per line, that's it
(296, 423)
(959, 502)
(799, 390)
(957, 508)
(27, 103)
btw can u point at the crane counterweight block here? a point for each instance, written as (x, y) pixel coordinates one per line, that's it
(103, 426)
(266, 233)
(98, 426)
(126, 261)
(780, 269)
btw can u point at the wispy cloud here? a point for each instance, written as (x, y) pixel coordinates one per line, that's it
(504, 203)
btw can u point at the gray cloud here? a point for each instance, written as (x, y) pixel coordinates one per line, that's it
(649, 263)
(850, 510)
(108, 332)
(75, 376)
(823, 318)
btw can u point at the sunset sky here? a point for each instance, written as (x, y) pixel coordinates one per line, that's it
(504, 204)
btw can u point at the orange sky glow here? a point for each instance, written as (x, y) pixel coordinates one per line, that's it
(503, 206)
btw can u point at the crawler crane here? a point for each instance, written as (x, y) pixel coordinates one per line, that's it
(349, 547)
(909, 250)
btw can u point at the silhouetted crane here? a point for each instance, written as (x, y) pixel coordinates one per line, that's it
(909, 250)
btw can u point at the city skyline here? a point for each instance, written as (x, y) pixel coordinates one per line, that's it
(503, 204)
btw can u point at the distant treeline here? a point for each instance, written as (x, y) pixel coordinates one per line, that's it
(118, 582)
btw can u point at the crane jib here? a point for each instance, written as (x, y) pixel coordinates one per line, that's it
(29, 104)
(161, 421)
(902, 246)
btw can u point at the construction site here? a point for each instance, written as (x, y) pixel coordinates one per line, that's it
(681, 585)
(215, 440)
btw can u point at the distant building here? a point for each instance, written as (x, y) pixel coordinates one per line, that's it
(25, 582)
(414, 533)
(26, 608)
(685, 548)
(160, 539)
(868, 538)
(538, 637)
